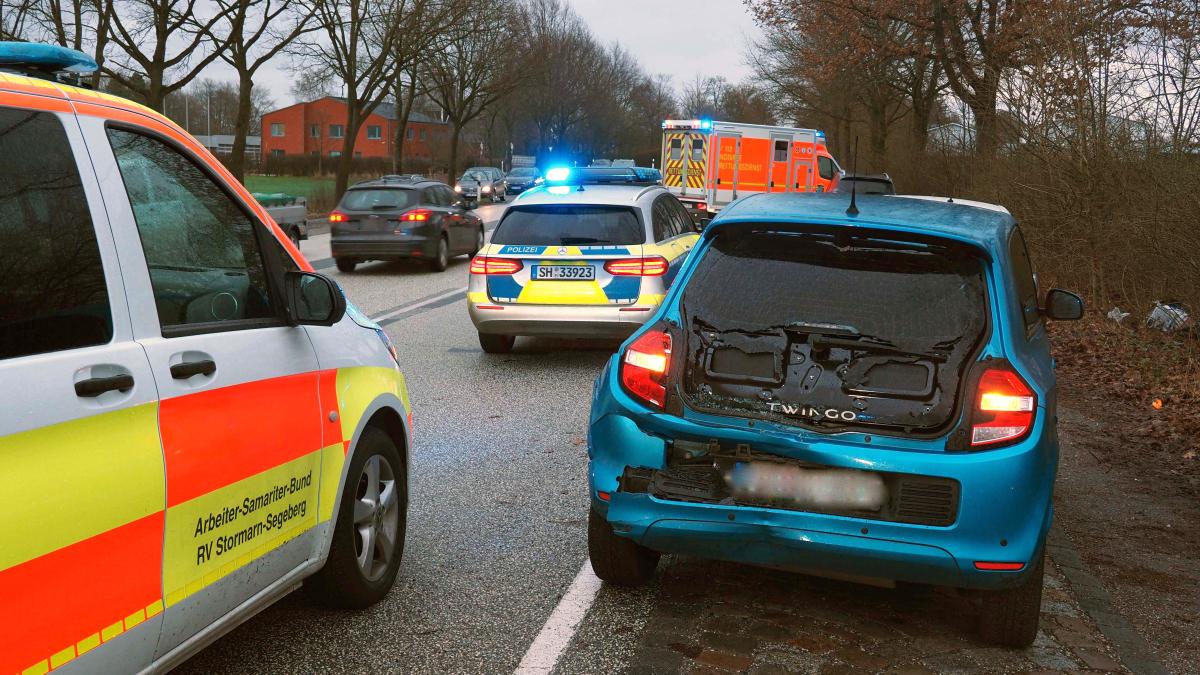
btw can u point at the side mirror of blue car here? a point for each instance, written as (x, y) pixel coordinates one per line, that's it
(1063, 305)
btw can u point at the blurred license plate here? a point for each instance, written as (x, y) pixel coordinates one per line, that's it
(565, 272)
(807, 488)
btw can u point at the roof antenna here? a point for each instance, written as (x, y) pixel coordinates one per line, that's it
(852, 210)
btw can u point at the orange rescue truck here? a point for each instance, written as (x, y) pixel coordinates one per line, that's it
(708, 164)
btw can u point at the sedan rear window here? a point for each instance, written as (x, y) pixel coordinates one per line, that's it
(379, 199)
(858, 328)
(570, 226)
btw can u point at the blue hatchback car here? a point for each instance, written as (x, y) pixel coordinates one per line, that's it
(865, 393)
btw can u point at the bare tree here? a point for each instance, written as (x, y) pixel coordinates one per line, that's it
(16, 18)
(468, 75)
(161, 46)
(353, 47)
(255, 32)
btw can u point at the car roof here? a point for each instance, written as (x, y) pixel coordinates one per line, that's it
(592, 195)
(987, 227)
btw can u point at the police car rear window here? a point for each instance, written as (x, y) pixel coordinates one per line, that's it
(570, 226)
(379, 199)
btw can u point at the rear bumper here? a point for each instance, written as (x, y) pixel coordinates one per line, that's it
(598, 321)
(1004, 503)
(386, 247)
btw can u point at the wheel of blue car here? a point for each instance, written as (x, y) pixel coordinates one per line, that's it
(618, 560)
(1010, 617)
(368, 540)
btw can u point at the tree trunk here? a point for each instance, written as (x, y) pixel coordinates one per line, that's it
(455, 130)
(241, 128)
(983, 107)
(342, 180)
(402, 127)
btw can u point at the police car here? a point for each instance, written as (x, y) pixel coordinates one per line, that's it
(588, 254)
(193, 421)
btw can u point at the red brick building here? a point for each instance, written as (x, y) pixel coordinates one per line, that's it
(319, 127)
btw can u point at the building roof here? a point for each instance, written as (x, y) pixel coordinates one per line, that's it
(224, 139)
(387, 110)
(985, 226)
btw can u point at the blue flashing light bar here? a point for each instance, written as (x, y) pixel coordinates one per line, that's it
(45, 58)
(558, 174)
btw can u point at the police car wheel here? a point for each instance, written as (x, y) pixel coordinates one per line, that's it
(497, 344)
(346, 265)
(618, 560)
(1010, 617)
(368, 541)
(441, 259)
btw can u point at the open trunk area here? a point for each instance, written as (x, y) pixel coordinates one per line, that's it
(830, 331)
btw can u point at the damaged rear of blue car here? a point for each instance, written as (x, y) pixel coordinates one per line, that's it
(866, 395)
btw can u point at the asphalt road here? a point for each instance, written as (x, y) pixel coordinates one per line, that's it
(497, 535)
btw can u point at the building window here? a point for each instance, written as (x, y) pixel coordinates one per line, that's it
(337, 130)
(314, 130)
(277, 129)
(357, 155)
(409, 134)
(422, 134)
(374, 132)
(277, 153)
(335, 153)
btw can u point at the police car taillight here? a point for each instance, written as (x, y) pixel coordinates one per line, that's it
(1004, 408)
(653, 266)
(645, 365)
(482, 264)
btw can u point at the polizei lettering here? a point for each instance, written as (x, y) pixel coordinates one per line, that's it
(813, 413)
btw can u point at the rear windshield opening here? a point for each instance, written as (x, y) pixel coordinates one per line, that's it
(569, 226)
(807, 328)
(378, 199)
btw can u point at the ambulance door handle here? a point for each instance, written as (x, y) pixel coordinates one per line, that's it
(182, 371)
(93, 387)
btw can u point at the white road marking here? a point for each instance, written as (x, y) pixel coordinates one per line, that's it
(558, 630)
(408, 308)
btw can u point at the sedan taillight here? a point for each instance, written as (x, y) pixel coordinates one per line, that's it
(645, 365)
(482, 264)
(337, 217)
(416, 216)
(1005, 407)
(653, 266)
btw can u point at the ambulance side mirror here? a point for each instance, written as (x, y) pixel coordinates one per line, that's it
(314, 299)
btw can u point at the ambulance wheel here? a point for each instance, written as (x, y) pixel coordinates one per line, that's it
(441, 259)
(368, 541)
(618, 560)
(346, 265)
(1010, 617)
(497, 344)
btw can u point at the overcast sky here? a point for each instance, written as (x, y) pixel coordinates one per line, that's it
(680, 38)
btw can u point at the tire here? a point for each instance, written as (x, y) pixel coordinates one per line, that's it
(497, 344)
(346, 265)
(346, 581)
(504, 196)
(441, 259)
(1010, 617)
(294, 235)
(479, 239)
(617, 560)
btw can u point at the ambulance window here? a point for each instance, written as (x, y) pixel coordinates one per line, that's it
(54, 294)
(781, 151)
(676, 148)
(825, 167)
(697, 149)
(201, 247)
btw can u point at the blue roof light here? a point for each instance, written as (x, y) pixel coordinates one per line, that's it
(706, 124)
(51, 58)
(558, 174)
